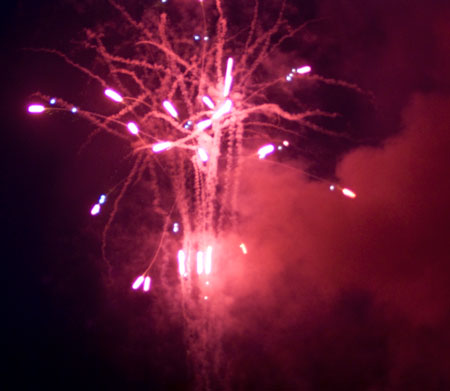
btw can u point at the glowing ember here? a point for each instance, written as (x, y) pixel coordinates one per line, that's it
(132, 127)
(147, 282)
(228, 78)
(171, 110)
(138, 282)
(304, 69)
(224, 109)
(265, 150)
(36, 109)
(243, 248)
(202, 125)
(202, 155)
(115, 96)
(348, 193)
(95, 210)
(161, 146)
(208, 102)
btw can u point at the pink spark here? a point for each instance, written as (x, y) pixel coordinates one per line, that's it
(243, 248)
(95, 210)
(265, 150)
(286, 143)
(138, 282)
(304, 69)
(36, 109)
(208, 260)
(171, 110)
(202, 125)
(133, 128)
(147, 282)
(115, 96)
(199, 262)
(228, 77)
(348, 193)
(202, 155)
(224, 109)
(208, 102)
(161, 146)
(181, 263)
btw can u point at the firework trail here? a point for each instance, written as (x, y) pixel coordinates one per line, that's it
(192, 103)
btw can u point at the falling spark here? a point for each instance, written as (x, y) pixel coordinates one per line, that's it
(208, 102)
(224, 109)
(147, 282)
(36, 109)
(102, 199)
(243, 248)
(202, 155)
(181, 262)
(228, 78)
(171, 110)
(304, 69)
(202, 125)
(348, 193)
(176, 228)
(161, 146)
(115, 96)
(138, 282)
(199, 262)
(286, 143)
(208, 260)
(265, 150)
(133, 128)
(95, 210)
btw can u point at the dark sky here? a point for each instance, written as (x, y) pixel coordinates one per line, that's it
(335, 294)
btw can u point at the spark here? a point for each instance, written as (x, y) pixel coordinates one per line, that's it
(304, 69)
(102, 199)
(228, 78)
(138, 282)
(35, 109)
(224, 109)
(208, 102)
(286, 143)
(161, 146)
(176, 228)
(52, 101)
(95, 210)
(74, 110)
(265, 150)
(331, 187)
(147, 282)
(243, 248)
(202, 155)
(115, 96)
(170, 109)
(181, 262)
(133, 128)
(202, 125)
(348, 193)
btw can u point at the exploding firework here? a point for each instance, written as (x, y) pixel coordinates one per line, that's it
(193, 104)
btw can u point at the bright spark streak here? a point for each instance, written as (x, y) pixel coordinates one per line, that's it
(243, 248)
(202, 125)
(208, 260)
(304, 69)
(138, 282)
(348, 193)
(208, 102)
(224, 109)
(102, 199)
(161, 146)
(181, 262)
(147, 282)
(133, 128)
(202, 155)
(171, 110)
(36, 109)
(228, 77)
(265, 150)
(95, 210)
(115, 96)
(199, 262)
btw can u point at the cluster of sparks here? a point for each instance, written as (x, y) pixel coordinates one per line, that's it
(196, 129)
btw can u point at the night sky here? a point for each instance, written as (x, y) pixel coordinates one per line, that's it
(335, 294)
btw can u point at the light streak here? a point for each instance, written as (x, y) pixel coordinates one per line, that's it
(170, 109)
(115, 96)
(228, 78)
(95, 210)
(202, 125)
(208, 102)
(199, 262)
(102, 199)
(181, 263)
(243, 248)
(202, 155)
(133, 128)
(176, 228)
(138, 282)
(348, 193)
(208, 260)
(147, 282)
(224, 109)
(265, 150)
(35, 109)
(161, 146)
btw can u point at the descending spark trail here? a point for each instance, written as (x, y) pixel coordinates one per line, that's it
(187, 116)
